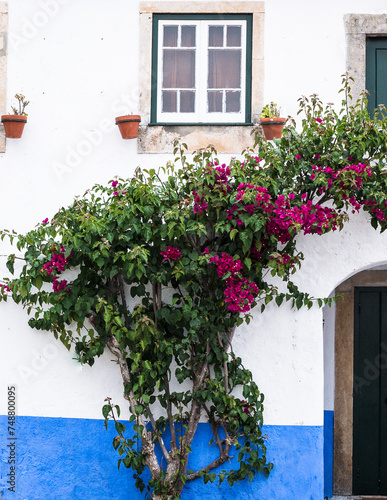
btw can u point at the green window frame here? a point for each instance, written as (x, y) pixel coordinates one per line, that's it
(227, 114)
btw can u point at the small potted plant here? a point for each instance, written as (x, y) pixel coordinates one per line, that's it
(14, 124)
(128, 125)
(271, 122)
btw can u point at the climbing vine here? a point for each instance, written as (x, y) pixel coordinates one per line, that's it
(160, 270)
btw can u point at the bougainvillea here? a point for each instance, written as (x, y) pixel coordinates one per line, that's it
(165, 266)
(171, 253)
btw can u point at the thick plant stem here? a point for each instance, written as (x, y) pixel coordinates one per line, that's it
(148, 448)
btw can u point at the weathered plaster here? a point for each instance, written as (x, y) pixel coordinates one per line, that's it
(357, 28)
(343, 416)
(225, 138)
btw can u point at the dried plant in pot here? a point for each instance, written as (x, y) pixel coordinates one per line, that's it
(271, 122)
(14, 123)
(128, 125)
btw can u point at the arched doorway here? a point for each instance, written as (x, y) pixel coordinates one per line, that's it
(356, 380)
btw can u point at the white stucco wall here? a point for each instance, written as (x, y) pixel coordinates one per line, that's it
(78, 62)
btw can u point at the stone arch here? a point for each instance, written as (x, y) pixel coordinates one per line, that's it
(338, 377)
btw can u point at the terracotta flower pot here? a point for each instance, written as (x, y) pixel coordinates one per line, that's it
(14, 125)
(272, 127)
(128, 125)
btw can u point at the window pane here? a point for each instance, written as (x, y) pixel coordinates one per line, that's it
(187, 101)
(188, 36)
(179, 69)
(215, 36)
(233, 102)
(215, 98)
(234, 36)
(169, 104)
(224, 69)
(170, 36)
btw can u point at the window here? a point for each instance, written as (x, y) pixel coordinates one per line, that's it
(201, 69)
(216, 92)
(359, 30)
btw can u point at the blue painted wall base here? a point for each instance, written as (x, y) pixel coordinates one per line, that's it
(65, 459)
(328, 453)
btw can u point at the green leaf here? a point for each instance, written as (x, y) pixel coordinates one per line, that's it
(38, 282)
(139, 409)
(106, 410)
(233, 234)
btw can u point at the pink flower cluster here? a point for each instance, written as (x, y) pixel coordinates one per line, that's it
(116, 193)
(200, 204)
(57, 264)
(360, 169)
(283, 259)
(255, 253)
(253, 161)
(226, 264)
(5, 288)
(370, 203)
(246, 406)
(59, 285)
(377, 211)
(171, 253)
(239, 292)
(114, 185)
(284, 218)
(309, 217)
(222, 173)
(261, 198)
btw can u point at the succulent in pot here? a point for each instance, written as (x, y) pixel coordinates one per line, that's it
(14, 123)
(271, 122)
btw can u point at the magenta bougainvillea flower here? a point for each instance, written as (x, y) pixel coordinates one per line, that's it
(114, 184)
(44, 221)
(5, 288)
(226, 264)
(57, 265)
(172, 253)
(246, 406)
(200, 204)
(240, 293)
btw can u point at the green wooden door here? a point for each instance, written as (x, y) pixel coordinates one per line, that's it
(370, 392)
(376, 71)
